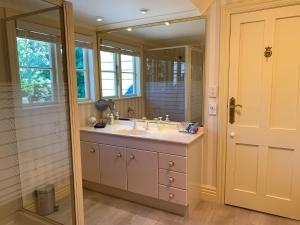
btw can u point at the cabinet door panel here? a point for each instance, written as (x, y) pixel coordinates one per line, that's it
(142, 167)
(90, 156)
(113, 166)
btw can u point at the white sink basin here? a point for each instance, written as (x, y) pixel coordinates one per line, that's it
(130, 132)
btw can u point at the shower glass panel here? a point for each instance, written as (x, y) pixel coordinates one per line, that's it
(165, 72)
(35, 145)
(196, 85)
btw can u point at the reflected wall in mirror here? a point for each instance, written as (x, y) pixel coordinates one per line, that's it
(161, 64)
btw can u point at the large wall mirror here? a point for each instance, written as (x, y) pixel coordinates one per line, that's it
(162, 63)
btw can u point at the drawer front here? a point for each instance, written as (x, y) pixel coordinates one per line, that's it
(172, 179)
(173, 195)
(173, 163)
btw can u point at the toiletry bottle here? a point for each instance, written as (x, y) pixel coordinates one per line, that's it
(111, 119)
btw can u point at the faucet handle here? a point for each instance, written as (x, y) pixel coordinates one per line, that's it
(167, 118)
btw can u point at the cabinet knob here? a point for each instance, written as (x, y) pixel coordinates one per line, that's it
(132, 156)
(119, 155)
(171, 163)
(171, 196)
(171, 179)
(92, 150)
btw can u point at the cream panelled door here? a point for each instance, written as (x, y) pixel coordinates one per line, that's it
(263, 144)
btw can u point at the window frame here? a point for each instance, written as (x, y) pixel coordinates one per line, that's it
(118, 75)
(115, 71)
(87, 60)
(134, 77)
(54, 70)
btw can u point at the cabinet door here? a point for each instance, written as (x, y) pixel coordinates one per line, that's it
(113, 166)
(142, 170)
(90, 157)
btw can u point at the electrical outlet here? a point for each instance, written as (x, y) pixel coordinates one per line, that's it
(212, 109)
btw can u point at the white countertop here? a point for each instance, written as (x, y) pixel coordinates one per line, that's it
(167, 133)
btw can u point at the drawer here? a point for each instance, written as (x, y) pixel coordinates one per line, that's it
(173, 163)
(172, 179)
(173, 195)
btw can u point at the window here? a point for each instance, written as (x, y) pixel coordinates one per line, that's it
(109, 74)
(37, 70)
(120, 69)
(119, 73)
(83, 66)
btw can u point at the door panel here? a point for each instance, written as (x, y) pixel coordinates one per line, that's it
(286, 62)
(90, 157)
(279, 173)
(142, 167)
(249, 83)
(113, 166)
(263, 147)
(245, 175)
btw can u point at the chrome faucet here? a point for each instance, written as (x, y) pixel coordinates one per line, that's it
(146, 125)
(134, 124)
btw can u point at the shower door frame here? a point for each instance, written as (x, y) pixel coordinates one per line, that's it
(68, 41)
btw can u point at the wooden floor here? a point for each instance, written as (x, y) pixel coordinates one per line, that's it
(105, 210)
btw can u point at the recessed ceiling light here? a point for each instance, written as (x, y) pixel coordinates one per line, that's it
(99, 19)
(144, 11)
(129, 29)
(167, 23)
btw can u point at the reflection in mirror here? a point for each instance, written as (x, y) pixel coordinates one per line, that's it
(161, 63)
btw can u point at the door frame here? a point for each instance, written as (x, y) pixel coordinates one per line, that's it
(226, 12)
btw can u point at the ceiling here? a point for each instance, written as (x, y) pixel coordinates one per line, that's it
(116, 13)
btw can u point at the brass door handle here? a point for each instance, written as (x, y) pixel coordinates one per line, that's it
(232, 107)
(119, 155)
(132, 156)
(92, 150)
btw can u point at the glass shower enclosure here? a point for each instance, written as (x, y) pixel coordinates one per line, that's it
(174, 83)
(36, 166)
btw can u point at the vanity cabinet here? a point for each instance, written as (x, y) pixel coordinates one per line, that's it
(142, 172)
(160, 174)
(90, 156)
(113, 166)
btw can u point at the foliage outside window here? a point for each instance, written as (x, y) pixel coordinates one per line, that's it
(82, 73)
(36, 70)
(119, 74)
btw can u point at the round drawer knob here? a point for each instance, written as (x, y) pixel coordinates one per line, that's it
(92, 150)
(119, 155)
(171, 196)
(171, 163)
(171, 179)
(132, 156)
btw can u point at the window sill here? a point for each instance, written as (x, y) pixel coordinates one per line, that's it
(124, 98)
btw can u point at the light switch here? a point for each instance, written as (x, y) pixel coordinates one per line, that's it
(212, 109)
(212, 92)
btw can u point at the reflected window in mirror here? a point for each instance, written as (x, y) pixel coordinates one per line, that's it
(119, 74)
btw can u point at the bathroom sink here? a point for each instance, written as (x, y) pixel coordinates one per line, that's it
(130, 132)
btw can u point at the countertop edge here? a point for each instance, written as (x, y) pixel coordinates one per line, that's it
(199, 135)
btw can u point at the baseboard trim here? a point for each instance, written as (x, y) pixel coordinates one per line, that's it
(208, 193)
(137, 198)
